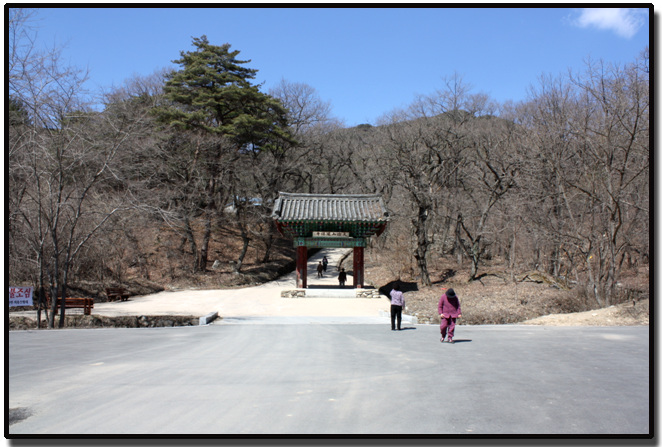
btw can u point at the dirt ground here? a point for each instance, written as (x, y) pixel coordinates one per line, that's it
(531, 298)
(627, 314)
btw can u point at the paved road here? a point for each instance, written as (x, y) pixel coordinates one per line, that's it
(312, 377)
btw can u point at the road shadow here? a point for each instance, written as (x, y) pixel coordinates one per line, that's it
(404, 287)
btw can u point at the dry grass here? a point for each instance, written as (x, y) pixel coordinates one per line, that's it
(500, 298)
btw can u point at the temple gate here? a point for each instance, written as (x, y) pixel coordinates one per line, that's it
(330, 221)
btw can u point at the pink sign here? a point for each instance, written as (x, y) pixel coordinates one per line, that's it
(20, 296)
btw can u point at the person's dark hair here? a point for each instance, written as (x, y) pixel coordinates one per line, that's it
(396, 286)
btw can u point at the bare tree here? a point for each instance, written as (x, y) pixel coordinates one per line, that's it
(64, 155)
(316, 163)
(590, 132)
(613, 149)
(491, 173)
(424, 165)
(430, 146)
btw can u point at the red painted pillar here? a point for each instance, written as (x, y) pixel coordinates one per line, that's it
(302, 267)
(358, 267)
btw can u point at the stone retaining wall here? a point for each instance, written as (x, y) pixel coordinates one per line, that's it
(297, 293)
(301, 293)
(367, 293)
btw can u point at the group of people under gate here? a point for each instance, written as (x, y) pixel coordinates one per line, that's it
(321, 269)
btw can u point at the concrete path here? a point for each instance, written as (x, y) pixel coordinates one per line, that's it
(329, 379)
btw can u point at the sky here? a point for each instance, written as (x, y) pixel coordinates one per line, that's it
(366, 61)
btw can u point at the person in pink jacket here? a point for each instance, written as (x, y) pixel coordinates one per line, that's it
(449, 312)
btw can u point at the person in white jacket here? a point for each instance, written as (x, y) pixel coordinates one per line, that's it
(397, 304)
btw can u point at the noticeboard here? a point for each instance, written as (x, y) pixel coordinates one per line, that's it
(20, 296)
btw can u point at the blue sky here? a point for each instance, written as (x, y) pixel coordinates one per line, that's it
(364, 61)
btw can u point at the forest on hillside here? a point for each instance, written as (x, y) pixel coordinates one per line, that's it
(559, 183)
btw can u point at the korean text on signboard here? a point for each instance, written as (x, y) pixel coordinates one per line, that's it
(330, 233)
(20, 296)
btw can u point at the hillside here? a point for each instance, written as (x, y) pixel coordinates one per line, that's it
(497, 298)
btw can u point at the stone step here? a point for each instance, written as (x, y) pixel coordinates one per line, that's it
(330, 292)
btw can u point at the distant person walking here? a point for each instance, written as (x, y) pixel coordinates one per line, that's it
(449, 312)
(397, 304)
(319, 270)
(342, 277)
(325, 262)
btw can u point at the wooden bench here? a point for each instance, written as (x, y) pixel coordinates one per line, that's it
(117, 293)
(76, 303)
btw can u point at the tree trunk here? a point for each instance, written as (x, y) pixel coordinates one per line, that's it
(475, 258)
(244, 249)
(204, 248)
(554, 268)
(62, 305)
(268, 244)
(42, 289)
(54, 290)
(422, 244)
(459, 248)
(512, 254)
(41, 304)
(593, 282)
(194, 248)
(209, 212)
(473, 250)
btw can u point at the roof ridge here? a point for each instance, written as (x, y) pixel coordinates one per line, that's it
(330, 207)
(361, 196)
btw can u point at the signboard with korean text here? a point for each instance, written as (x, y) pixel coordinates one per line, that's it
(329, 242)
(20, 296)
(330, 233)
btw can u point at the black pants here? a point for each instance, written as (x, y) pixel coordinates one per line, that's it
(396, 311)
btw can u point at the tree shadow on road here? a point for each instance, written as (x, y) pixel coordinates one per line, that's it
(404, 287)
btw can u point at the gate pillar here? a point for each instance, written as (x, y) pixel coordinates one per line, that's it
(358, 267)
(302, 267)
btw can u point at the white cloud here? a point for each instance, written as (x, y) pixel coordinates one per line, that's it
(623, 21)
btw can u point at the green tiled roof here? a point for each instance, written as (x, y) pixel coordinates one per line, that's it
(290, 207)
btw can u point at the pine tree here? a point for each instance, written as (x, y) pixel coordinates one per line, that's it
(213, 100)
(213, 92)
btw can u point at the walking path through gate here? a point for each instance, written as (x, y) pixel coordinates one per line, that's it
(261, 301)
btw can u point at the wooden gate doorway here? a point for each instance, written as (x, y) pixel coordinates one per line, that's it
(330, 221)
